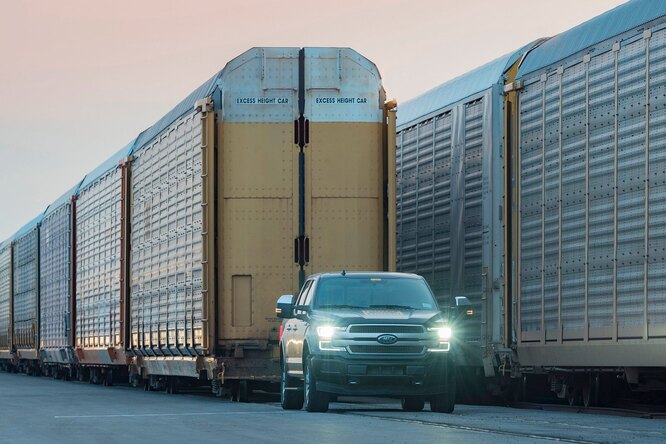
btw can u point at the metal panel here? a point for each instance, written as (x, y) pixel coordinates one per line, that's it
(259, 83)
(443, 199)
(611, 184)
(573, 195)
(424, 202)
(631, 183)
(241, 291)
(26, 290)
(5, 296)
(166, 304)
(98, 311)
(601, 184)
(55, 281)
(531, 206)
(342, 86)
(621, 19)
(476, 124)
(656, 303)
(462, 88)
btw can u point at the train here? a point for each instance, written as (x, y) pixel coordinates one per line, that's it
(162, 265)
(535, 186)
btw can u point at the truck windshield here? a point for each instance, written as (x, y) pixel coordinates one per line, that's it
(373, 292)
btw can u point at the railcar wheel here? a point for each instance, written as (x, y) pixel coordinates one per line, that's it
(587, 395)
(573, 396)
(172, 386)
(135, 381)
(107, 378)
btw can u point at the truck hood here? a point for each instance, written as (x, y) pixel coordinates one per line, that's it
(344, 317)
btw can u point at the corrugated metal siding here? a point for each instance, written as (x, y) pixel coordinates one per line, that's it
(657, 176)
(98, 262)
(612, 23)
(475, 126)
(440, 201)
(26, 287)
(55, 279)
(585, 241)
(601, 183)
(573, 197)
(5, 288)
(429, 187)
(166, 270)
(531, 206)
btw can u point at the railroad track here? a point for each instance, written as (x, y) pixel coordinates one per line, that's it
(467, 428)
(634, 411)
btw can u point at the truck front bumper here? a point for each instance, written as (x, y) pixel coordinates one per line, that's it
(419, 376)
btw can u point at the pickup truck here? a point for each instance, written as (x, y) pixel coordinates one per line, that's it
(365, 334)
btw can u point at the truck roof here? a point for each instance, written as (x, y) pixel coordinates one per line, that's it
(383, 274)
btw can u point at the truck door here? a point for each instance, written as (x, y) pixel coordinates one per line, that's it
(295, 330)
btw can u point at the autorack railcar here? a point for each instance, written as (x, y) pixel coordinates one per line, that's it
(56, 286)
(449, 201)
(549, 217)
(280, 165)
(588, 199)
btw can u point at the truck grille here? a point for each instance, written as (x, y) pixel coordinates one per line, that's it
(386, 349)
(386, 329)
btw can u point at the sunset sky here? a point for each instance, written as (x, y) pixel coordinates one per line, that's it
(79, 79)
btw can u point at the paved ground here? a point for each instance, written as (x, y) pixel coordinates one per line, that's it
(41, 410)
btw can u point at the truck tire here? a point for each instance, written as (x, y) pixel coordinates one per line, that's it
(445, 402)
(315, 401)
(290, 399)
(412, 404)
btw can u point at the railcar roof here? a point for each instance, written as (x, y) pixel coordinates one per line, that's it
(29, 226)
(457, 89)
(66, 197)
(107, 165)
(603, 27)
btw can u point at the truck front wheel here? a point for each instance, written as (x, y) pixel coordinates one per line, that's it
(445, 402)
(315, 401)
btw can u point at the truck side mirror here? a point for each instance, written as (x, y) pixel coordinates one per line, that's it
(285, 306)
(463, 308)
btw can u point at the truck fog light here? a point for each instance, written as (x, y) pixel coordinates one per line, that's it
(327, 346)
(443, 347)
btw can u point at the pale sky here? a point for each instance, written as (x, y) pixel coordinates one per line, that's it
(80, 78)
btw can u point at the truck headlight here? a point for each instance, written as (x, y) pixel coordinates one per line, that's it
(325, 331)
(444, 333)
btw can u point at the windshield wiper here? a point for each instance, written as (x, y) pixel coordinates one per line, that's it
(340, 306)
(393, 306)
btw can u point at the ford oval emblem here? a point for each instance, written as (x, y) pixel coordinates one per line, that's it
(387, 339)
